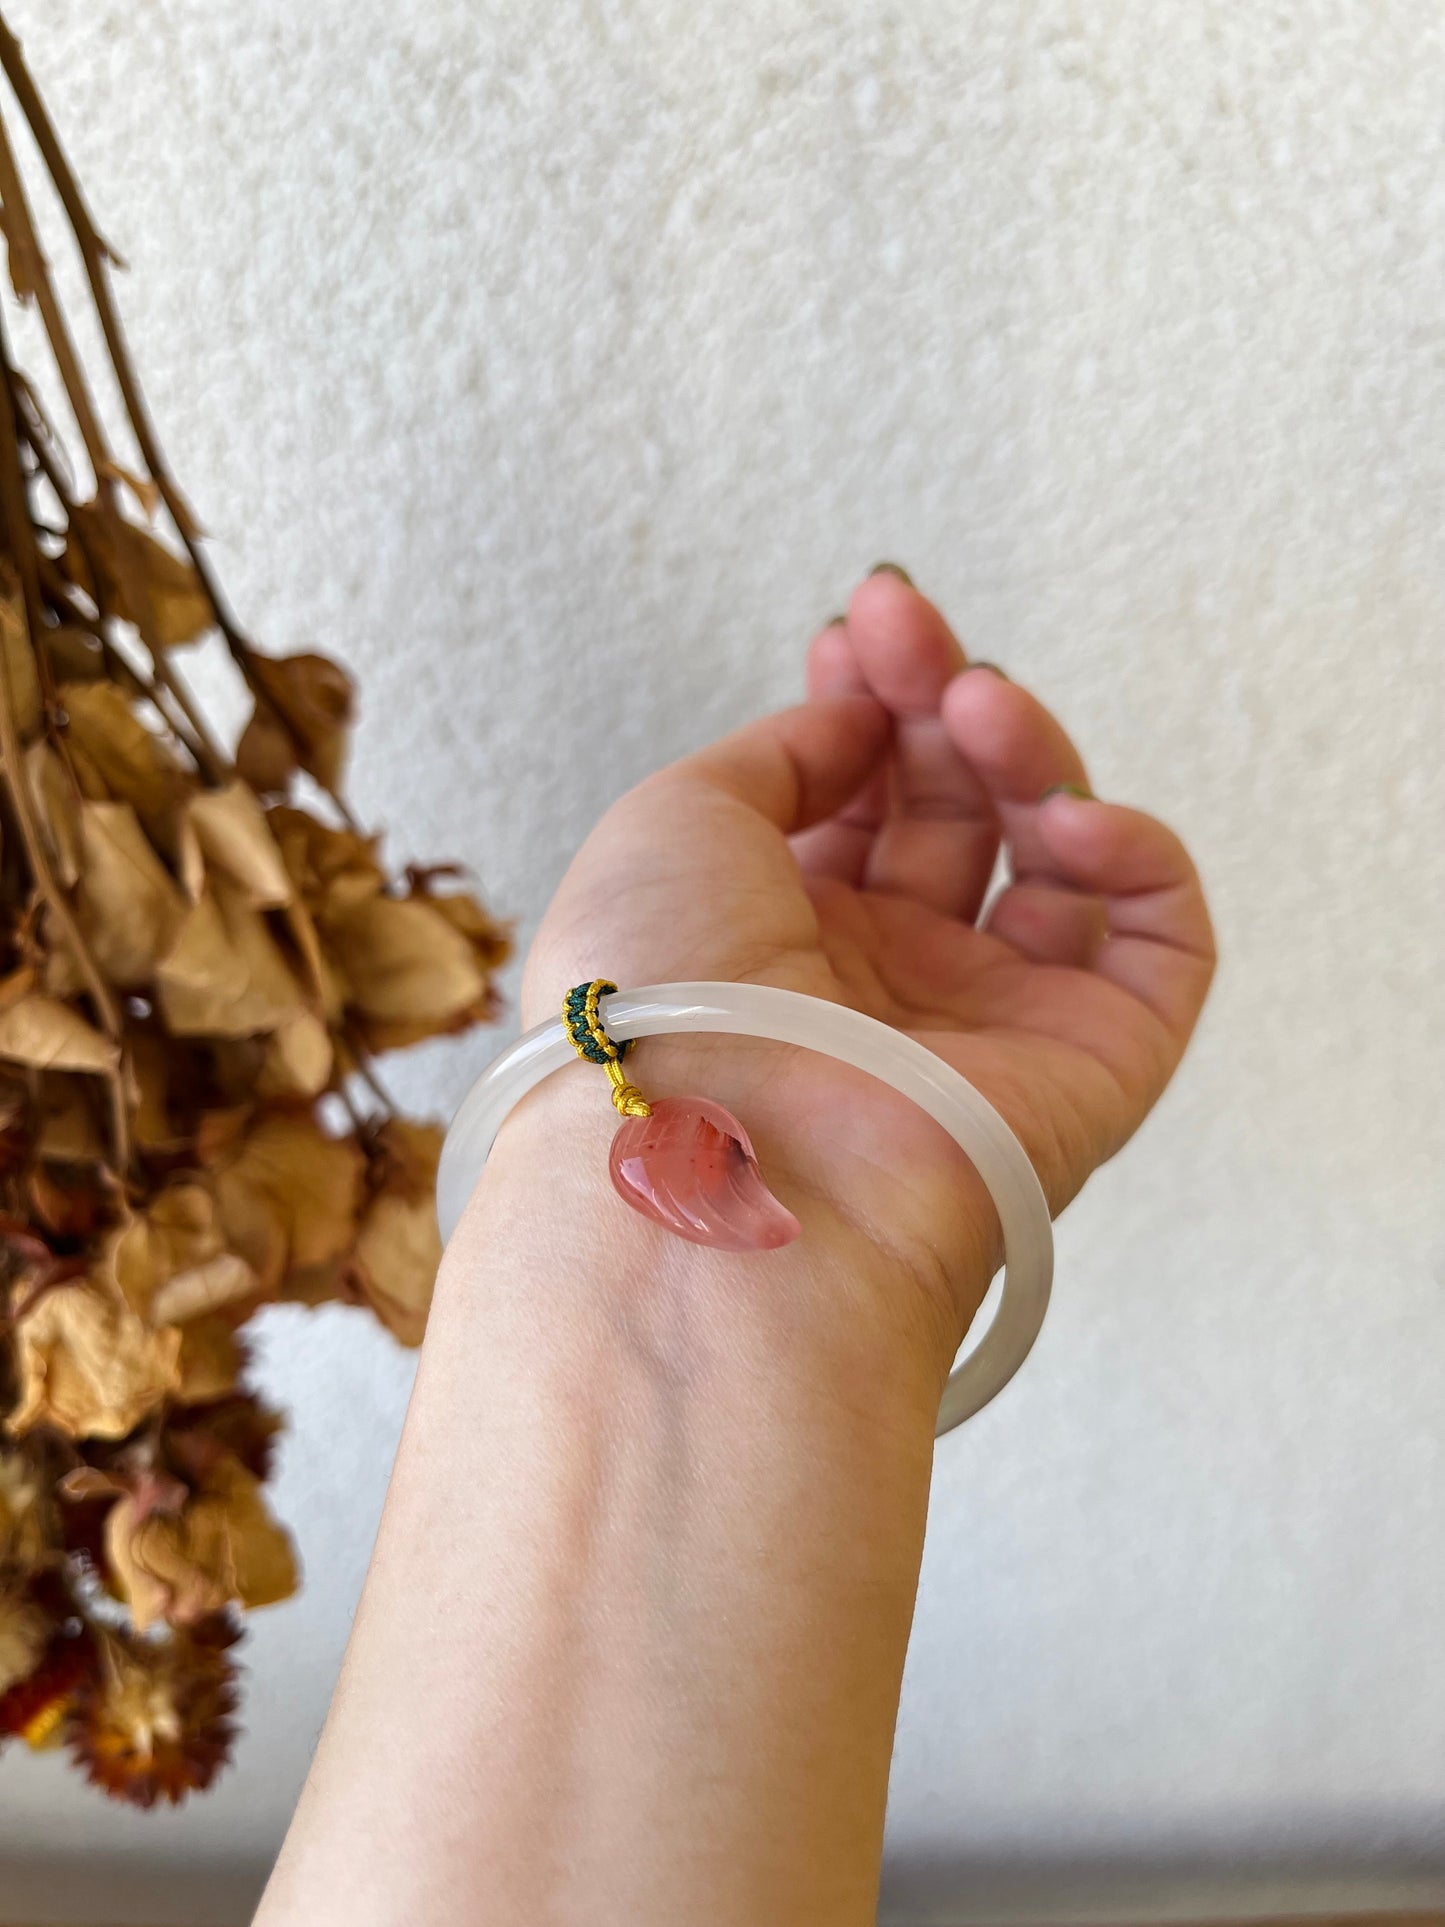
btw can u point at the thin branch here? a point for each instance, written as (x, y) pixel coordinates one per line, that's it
(207, 753)
(95, 255)
(24, 244)
(25, 551)
(16, 519)
(58, 593)
(364, 1066)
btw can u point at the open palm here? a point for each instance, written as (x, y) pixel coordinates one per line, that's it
(845, 848)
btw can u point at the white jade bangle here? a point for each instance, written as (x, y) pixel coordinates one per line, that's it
(787, 1017)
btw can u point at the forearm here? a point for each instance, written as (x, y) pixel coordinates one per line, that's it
(631, 1644)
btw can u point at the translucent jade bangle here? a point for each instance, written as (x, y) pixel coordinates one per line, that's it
(785, 1016)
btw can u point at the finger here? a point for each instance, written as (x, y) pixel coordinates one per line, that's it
(797, 767)
(1050, 925)
(1160, 944)
(1017, 750)
(937, 839)
(839, 847)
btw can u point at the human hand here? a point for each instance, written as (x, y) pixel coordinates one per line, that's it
(843, 848)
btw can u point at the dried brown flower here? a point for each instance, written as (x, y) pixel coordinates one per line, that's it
(154, 1723)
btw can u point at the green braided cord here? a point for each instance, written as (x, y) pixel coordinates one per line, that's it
(585, 1027)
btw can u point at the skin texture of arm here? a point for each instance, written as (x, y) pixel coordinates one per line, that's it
(631, 1643)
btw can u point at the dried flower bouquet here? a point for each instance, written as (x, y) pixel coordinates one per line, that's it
(202, 953)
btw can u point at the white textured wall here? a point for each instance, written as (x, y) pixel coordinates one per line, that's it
(485, 336)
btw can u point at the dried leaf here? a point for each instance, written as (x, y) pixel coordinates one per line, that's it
(298, 1059)
(116, 756)
(394, 1263)
(212, 1358)
(129, 574)
(288, 1200)
(332, 869)
(234, 839)
(170, 1261)
(266, 754)
(58, 810)
(222, 1548)
(490, 940)
(129, 907)
(88, 1365)
(406, 967)
(69, 1130)
(322, 981)
(40, 1030)
(69, 1205)
(313, 699)
(145, 491)
(221, 1133)
(238, 1427)
(22, 680)
(74, 655)
(226, 975)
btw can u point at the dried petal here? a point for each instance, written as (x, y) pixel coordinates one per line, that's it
(170, 1262)
(24, 1635)
(221, 1547)
(24, 1512)
(88, 1365)
(36, 1707)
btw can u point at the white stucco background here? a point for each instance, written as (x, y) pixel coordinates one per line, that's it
(486, 337)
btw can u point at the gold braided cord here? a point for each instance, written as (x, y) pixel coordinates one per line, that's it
(628, 1099)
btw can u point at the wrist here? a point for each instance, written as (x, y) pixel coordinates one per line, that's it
(896, 1249)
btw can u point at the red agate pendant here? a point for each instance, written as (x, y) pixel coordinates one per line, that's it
(684, 1162)
(689, 1165)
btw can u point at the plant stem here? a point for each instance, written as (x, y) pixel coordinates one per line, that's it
(24, 244)
(204, 750)
(57, 592)
(16, 520)
(95, 255)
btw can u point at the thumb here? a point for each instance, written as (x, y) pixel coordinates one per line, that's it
(797, 767)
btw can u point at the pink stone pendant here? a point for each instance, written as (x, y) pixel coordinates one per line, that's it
(690, 1166)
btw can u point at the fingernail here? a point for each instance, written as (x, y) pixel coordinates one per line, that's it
(892, 568)
(992, 668)
(1068, 789)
